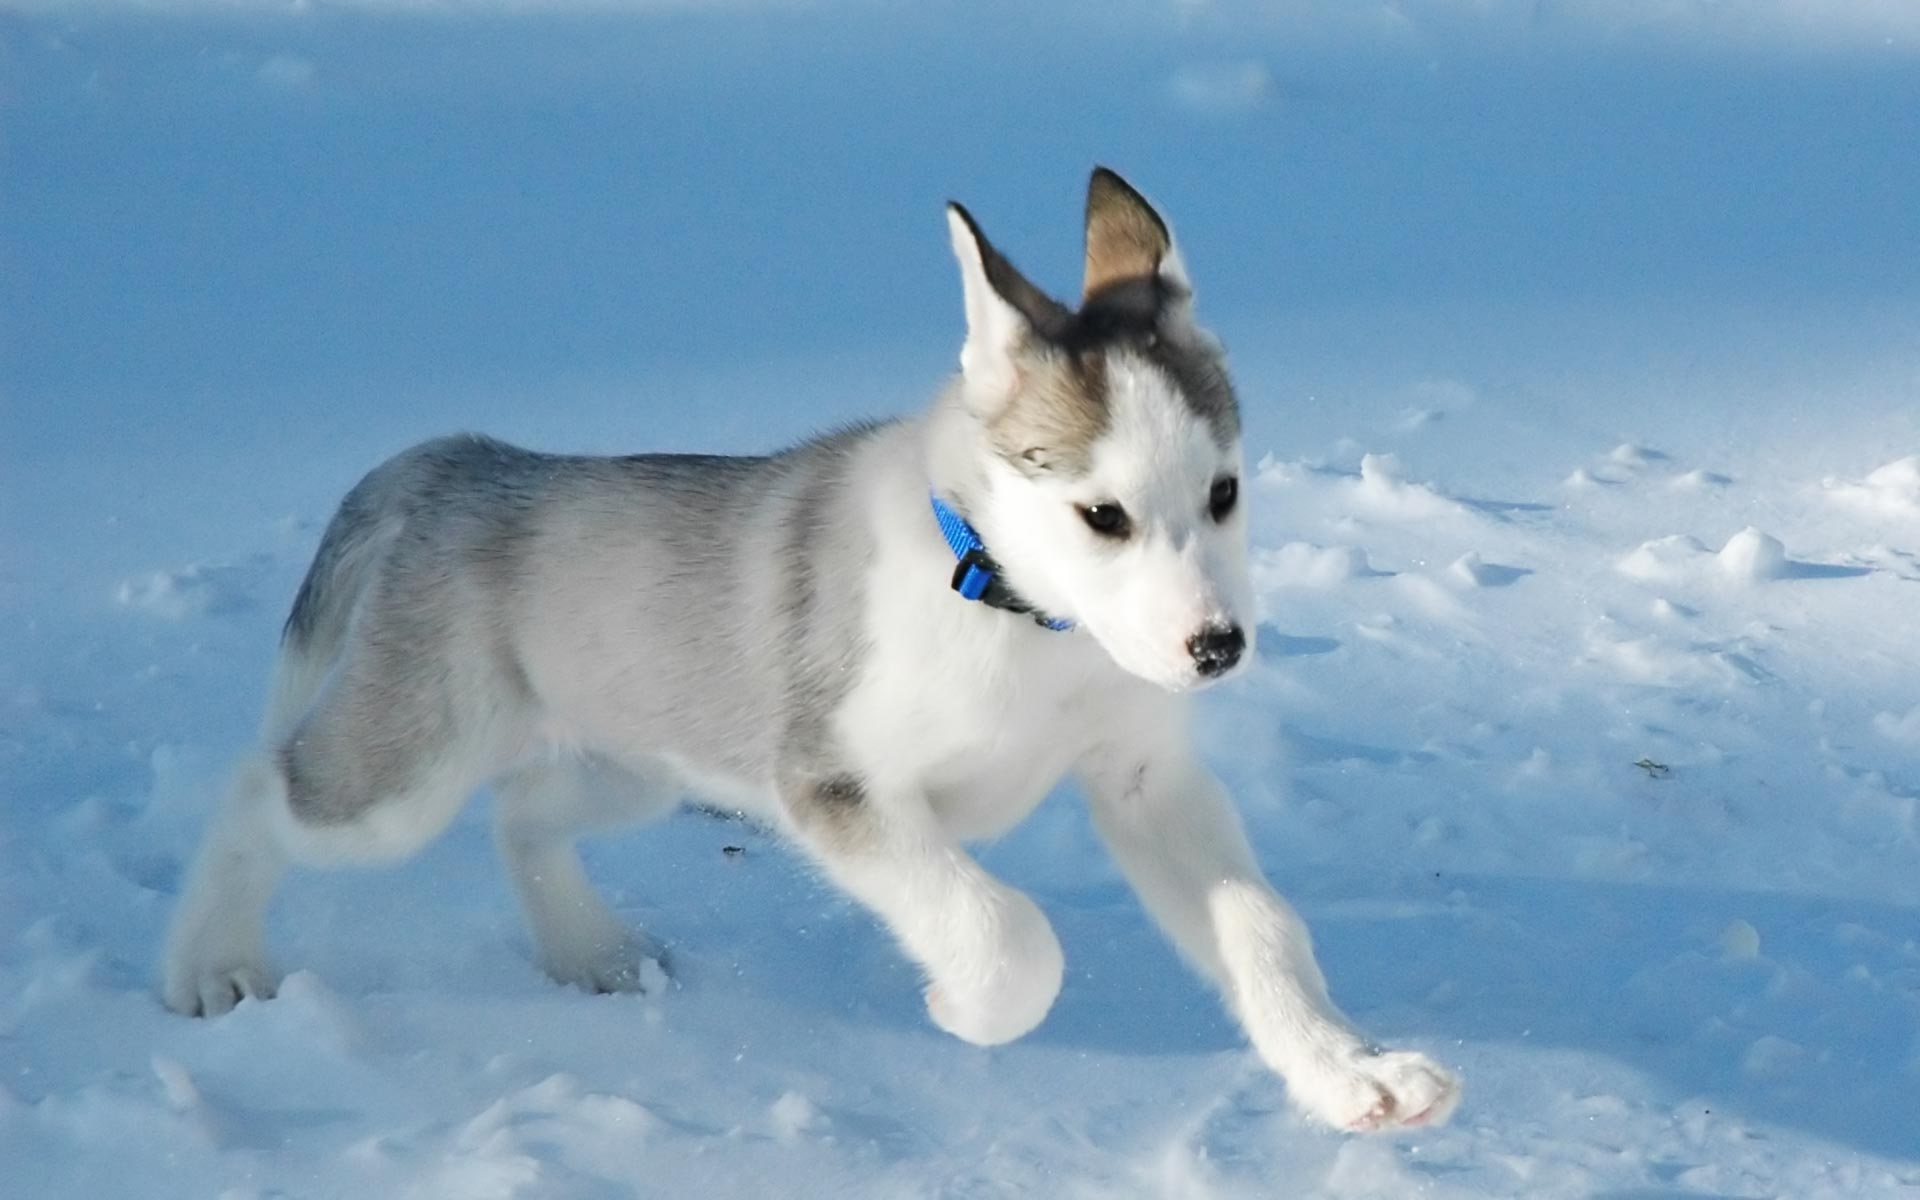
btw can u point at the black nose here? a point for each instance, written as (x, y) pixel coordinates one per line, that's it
(1216, 648)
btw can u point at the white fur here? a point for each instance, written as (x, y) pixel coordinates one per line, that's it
(216, 953)
(1179, 572)
(994, 327)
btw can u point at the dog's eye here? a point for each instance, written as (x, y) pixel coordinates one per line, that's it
(1225, 494)
(1107, 520)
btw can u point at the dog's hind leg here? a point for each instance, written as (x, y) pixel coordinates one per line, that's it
(388, 754)
(216, 947)
(539, 809)
(216, 952)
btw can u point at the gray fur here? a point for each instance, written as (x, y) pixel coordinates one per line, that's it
(478, 533)
(824, 643)
(830, 809)
(1148, 317)
(1058, 416)
(321, 610)
(1199, 374)
(1062, 410)
(1129, 309)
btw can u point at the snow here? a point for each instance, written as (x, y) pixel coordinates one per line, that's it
(1583, 423)
(1754, 556)
(1893, 489)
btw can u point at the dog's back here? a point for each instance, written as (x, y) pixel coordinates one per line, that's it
(467, 587)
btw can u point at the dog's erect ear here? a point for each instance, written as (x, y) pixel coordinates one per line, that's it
(1003, 309)
(1128, 241)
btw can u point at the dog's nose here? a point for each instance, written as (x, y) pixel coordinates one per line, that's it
(1216, 648)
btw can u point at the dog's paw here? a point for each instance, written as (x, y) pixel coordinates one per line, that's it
(1008, 993)
(1377, 1091)
(212, 991)
(212, 964)
(631, 963)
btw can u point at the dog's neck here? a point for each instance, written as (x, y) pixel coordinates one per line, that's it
(977, 576)
(957, 484)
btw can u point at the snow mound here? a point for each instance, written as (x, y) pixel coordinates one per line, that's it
(1303, 564)
(1384, 491)
(1740, 941)
(1668, 559)
(1892, 490)
(1753, 556)
(1634, 457)
(792, 1115)
(1699, 480)
(1772, 1057)
(1432, 400)
(1750, 556)
(195, 590)
(1897, 728)
(1471, 570)
(542, 1138)
(1648, 660)
(1667, 610)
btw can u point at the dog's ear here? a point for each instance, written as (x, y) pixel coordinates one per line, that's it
(1128, 243)
(1004, 311)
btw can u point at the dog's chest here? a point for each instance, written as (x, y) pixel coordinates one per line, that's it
(984, 740)
(985, 788)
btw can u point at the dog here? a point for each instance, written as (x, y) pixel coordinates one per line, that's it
(885, 642)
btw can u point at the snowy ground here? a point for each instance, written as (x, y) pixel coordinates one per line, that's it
(1588, 527)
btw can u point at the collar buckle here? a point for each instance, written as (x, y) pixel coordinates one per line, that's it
(976, 576)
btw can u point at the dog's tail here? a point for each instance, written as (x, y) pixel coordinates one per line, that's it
(316, 630)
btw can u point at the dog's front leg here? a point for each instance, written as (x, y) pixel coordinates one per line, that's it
(992, 961)
(1177, 837)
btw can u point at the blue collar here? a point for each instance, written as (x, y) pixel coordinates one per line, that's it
(978, 576)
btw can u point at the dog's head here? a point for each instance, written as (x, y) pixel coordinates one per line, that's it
(1111, 439)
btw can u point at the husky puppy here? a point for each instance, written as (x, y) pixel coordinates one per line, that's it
(885, 642)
